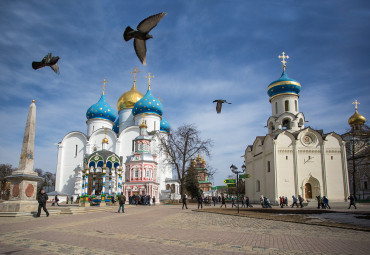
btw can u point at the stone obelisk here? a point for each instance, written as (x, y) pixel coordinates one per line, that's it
(23, 181)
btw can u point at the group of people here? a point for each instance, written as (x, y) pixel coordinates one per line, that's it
(141, 199)
(68, 200)
(322, 202)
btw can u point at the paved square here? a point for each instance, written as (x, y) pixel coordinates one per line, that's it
(167, 229)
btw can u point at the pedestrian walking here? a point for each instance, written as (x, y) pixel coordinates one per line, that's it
(71, 199)
(200, 202)
(223, 201)
(300, 199)
(233, 202)
(53, 202)
(352, 202)
(153, 200)
(326, 202)
(56, 200)
(42, 198)
(67, 200)
(281, 201)
(247, 202)
(318, 201)
(122, 201)
(78, 199)
(294, 201)
(262, 201)
(243, 202)
(184, 202)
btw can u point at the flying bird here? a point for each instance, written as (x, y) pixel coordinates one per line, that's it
(48, 60)
(219, 104)
(142, 34)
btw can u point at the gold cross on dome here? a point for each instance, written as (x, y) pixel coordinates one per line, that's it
(135, 72)
(356, 103)
(105, 81)
(149, 77)
(283, 56)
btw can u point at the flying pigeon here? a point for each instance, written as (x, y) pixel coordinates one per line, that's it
(142, 34)
(219, 104)
(48, 60)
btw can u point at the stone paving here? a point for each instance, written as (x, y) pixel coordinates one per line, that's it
(167, 229)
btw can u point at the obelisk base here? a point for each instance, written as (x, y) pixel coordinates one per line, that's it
(23, 189)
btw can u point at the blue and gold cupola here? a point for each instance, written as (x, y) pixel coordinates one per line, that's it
(284, 85)
(165, 126)
(148, 104)
(101, 110)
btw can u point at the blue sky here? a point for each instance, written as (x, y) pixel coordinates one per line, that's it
(201, 51)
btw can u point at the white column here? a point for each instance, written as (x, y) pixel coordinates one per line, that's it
(324, 184)
(295, 165)
(344, 170)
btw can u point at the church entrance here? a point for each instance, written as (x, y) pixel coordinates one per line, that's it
(311, 187)
(308, 190)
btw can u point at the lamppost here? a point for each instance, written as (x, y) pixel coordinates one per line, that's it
(234, 169)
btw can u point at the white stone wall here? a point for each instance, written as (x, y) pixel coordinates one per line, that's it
(95, 124)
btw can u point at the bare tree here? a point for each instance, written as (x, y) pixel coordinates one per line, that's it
(180, 147)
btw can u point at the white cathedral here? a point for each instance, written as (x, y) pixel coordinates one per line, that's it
(117, 154)
(293, 159)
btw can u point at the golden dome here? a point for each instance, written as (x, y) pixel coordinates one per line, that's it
(105, 140)
(356, 119)
(129, 98)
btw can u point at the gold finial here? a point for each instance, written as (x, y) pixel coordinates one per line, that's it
(356, 103)
(149, 77)
(143, 124)
(135, 72)
(105, 81)
(33, 101)
(283, 56)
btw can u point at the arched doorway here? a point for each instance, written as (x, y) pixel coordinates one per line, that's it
(311, 187)
(308, 190)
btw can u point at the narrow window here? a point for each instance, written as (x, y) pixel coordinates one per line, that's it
(258, 184)
(296, 105)
(93, 128)
(136, 173)
(276, 108)
(331, 157)
(286, 157)
(76, 150)
(286, 105)
(268, 166)
(309, 157)
(155, 124)
(133, 145)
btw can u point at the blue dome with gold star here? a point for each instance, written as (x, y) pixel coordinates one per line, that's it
(165, 126)
(284, 85)
(116, 126)
(148, 104)
(101, 110)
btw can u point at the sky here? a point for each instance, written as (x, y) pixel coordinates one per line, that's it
(201, 51)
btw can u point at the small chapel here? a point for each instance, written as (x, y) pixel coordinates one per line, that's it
(292, 159)
(117, 153)
(199, 165)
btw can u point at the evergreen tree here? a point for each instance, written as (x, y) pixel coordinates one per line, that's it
(191, 182)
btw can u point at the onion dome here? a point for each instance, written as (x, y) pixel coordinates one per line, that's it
(148, 105)
(284, 85)
(356, 119)
(129, 98)
(116, 126)
(165, 126)
(101, 110)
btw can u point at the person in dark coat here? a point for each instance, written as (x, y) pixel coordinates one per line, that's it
(184, 202)
(153, 200)
(223, 201)
(122, 201)
(200, 202)
(300, 199)
(42, 198)
(56, 200)
(351, 202)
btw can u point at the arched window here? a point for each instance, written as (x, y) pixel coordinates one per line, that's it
(258, 186)
(296, 105)
(168, 187)
(300, 123)
(268, 166)
(276, 108)
(271, 127)
(286, 105)
(136, 173)
(286, 124)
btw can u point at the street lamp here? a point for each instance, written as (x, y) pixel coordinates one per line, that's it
(234, 169)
